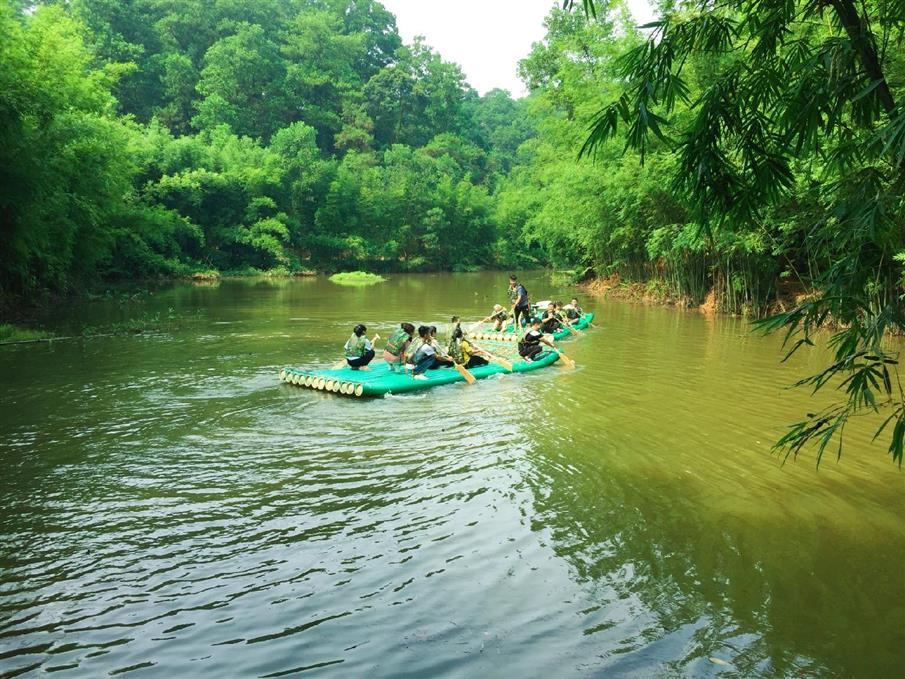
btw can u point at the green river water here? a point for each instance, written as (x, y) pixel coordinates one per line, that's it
(168, 508)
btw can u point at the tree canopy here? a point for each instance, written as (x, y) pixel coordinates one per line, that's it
(784, 122)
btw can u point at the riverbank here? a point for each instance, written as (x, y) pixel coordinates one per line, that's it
(657, 292)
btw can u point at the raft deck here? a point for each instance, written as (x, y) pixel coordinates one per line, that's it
(380, 380)
(509, 334)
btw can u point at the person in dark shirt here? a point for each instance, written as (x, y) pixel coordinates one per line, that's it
(551, 321)
(518, 297)
(530, 345)
(573, 310)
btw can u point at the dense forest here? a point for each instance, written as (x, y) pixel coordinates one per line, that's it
(156, 138)
(160, 138)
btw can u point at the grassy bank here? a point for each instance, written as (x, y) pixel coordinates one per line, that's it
(10, 333)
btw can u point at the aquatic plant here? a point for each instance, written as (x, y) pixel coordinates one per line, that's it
(356, 278)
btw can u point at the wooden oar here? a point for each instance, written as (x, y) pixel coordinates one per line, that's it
(464, 373)
(566, 361)
(340, 364)
(496, 359)
(475, 325)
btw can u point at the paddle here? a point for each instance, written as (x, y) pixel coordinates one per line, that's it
(496, 359)
(340, 364)
(566, 361)
(475, 325)
(464, 373)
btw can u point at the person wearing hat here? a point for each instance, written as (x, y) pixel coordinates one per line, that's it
(498, 316)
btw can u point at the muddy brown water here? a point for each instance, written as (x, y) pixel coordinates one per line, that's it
(168, 508)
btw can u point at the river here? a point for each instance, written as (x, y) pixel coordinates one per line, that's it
(168, 508)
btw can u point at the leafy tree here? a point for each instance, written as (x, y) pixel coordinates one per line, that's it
(64, 163)
(806, 87)
(321, 73)
(242, 83)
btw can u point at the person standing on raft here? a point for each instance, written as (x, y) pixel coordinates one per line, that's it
(518, 297)
(400, 340)
(530, 345)
(359, 349)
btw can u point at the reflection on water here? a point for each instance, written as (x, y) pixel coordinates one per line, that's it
(168, 507)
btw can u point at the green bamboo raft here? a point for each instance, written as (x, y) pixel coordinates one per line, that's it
(509, 335)
(380, 380)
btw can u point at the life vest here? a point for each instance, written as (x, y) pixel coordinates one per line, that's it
(552, 322)
(515, 293)
(455, 350)
(397, 341)
(355, 346)
(531, 339)
(413, 349)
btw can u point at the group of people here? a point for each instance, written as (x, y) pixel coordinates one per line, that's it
(424, 352)
(417, 353)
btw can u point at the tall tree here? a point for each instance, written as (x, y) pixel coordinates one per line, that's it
(808, 88)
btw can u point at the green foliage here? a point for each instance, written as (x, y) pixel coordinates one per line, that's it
(356, 278)
(10, 334)
(788, 133)
(159, 139)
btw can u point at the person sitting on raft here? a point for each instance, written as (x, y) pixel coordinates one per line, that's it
(499, 317)
(441, 352)
(359, 349)
(443, 357)
(573, 310)
(399, 341)
(551, 321)
(426, 356)
(465, 353)
(561, 314)
(530, 345)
